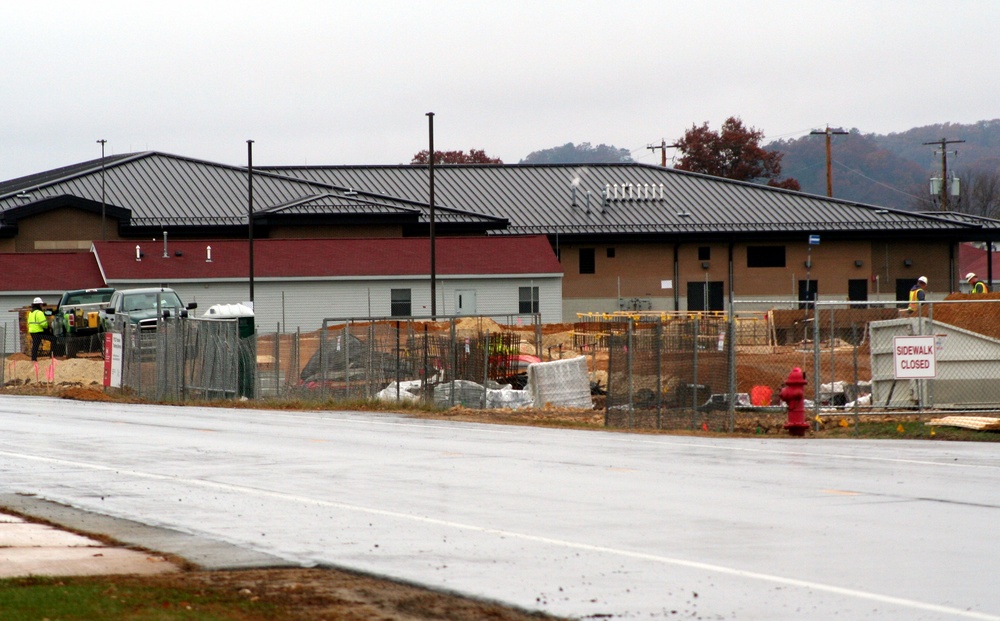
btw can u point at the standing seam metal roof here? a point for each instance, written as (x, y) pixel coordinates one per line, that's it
(539, 199)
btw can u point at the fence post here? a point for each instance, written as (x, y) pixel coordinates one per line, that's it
(629, 358)
(731, 375)
(347, 360)
(694, 363)
(453, 358)
(277, 362)
(423, 373)
(816, 358)
(659, 372)
(486, 368)
(854, 338)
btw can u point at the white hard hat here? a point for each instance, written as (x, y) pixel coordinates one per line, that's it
(922, 279)
(970, 275)
(37, 301)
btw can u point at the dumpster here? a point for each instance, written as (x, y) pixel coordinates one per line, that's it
(246, 363)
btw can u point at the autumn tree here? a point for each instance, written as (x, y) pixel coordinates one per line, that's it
(474, 156)
(733, 152)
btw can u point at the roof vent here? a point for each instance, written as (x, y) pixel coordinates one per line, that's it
(208, 254)
(683, 214)
(138, 253)
(23, 195)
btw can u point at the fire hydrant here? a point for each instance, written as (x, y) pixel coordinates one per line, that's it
(794, 396)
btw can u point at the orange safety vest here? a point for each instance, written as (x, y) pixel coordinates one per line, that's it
(979, 287)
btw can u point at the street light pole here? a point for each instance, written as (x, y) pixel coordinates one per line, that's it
(104, 235)
(250, 210)
(430, 160)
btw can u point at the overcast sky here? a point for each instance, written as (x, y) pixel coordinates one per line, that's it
(350, 82)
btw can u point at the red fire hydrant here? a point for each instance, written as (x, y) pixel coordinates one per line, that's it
(794, 396)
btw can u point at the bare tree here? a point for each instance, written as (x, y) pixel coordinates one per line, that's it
(980, 192)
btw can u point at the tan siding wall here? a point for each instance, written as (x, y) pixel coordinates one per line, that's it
(62, 230)
(639, 269)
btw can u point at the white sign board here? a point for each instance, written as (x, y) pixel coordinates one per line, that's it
(914, 357)
(113, 359)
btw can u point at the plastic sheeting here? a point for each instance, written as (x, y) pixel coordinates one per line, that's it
(460, 392)
(562, 383)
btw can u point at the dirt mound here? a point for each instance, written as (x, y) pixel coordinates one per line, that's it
(19, 369)
(84, 394)
(982, 318)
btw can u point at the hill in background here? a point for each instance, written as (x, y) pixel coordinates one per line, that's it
(894, 170)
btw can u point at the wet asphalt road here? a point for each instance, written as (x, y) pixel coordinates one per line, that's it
(575, 523)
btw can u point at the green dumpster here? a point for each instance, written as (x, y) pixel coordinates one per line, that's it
(246, 371)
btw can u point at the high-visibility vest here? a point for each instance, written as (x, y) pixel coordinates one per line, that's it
(37, 321)
(979, 287)
(916, 295)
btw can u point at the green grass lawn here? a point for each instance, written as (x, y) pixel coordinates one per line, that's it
(122, 598)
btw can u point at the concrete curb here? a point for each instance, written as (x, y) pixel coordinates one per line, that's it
(204, 553)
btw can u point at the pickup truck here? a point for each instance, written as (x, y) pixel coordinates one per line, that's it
(139, 306)
(76, 321)
(142, 308)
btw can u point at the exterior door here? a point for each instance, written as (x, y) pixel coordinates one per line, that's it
(705, 296)
(857, 291)
(808, 289)
(465, 302)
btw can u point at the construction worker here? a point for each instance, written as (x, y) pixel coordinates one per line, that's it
(38, 326)
(978, 286)
(917, 295)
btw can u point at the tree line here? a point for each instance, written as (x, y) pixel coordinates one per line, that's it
(892, 170)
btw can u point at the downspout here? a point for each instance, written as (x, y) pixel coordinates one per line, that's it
(731, 273)
(677, 277)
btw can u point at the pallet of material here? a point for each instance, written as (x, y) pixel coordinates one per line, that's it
(979, 423)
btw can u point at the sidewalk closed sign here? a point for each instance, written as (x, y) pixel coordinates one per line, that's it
(914, 357)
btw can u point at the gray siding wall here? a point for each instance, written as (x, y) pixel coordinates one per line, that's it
(301, 304)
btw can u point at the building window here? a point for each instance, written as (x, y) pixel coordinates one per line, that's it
(765, 256)
(586, 260)
(611, 253)
(527, 300)
(704, 253)
(400, 303)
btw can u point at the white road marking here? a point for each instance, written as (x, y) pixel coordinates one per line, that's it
(656, 558)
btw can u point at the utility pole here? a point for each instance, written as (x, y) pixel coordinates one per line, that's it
(663, 146)
(942, 144)
(829, 158)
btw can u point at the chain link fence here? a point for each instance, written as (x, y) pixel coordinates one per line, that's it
(725, 371)
(448, 361)
(701, 371)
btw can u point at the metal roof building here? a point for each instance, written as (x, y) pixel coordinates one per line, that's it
(657, 235)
